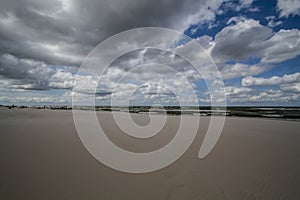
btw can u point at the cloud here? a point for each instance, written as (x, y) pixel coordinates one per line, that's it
(242, 70)
(288, 7)
(247, 38)
(61, 80)
(168, 87)
(18, 100)
(68, 30)
(26, 73)
(293, 87)
(266, 96)
(34, 97)
(240, 40)
(123, 77)
(231, 90)
(236, 95)
(284, 45)
(274, 80)
(43, 42)
(289, 90)
(272, 21)
(29, 74)
(238, 6)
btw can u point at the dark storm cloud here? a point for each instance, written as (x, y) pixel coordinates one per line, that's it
(63, 32)
(25, 74)
(35, 35)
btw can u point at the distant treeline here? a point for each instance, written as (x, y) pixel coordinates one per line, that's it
(38, 107)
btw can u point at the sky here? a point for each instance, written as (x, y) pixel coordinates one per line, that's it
(255, 45)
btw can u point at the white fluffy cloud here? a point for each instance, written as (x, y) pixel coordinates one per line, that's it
(274, 80)
(289, 89)
(288, 7)
(268, 96)
(247, 38)
(61, 80)
(240, 40)
(230, 90)
(284, 45)
(22, 100)
(273, 23)
(293, 87)
(242, 70)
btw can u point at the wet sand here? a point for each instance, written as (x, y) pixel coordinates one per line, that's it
(42, 157)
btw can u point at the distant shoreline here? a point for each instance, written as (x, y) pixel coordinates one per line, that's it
(279, 113)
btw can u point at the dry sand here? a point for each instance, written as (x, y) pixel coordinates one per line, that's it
(43, 158)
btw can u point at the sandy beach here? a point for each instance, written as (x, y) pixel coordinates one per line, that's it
(42, 157)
